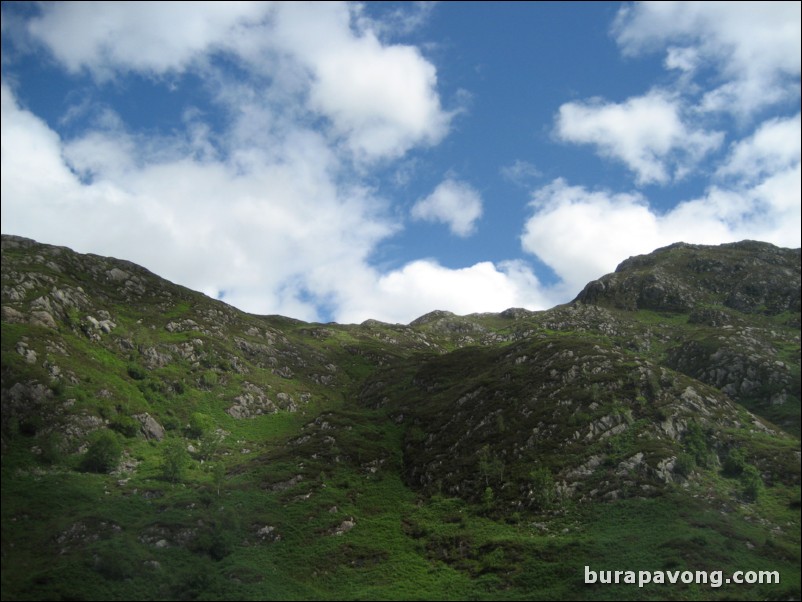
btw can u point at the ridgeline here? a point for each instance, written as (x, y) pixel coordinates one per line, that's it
(159, 444)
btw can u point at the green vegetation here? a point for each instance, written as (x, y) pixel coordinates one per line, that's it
(195, 452)
(543, 488)
(174, 460)
(751, 482)
(735, 463)
(103, 453)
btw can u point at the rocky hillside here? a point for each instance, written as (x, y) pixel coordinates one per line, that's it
(741, 301)
(160, 444)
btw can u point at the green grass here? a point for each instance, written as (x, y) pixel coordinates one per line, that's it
(402, 439)
(403, 546)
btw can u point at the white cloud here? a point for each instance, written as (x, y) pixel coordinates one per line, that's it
(270, 209)
(277, 236)
(754, 47)
(396, 20)
(380, 100)
(583, 234)
(646, 133)
(752, 51)
(264, 212)
(683, 59)
(520, 172)
(453, 202)
(149, 37)
(420, 286)
(209, 225)
(775, 146)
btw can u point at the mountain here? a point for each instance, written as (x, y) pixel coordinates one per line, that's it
(157, 443)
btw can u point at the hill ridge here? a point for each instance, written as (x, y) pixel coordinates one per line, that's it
(464, 450)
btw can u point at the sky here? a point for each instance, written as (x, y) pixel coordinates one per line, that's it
(346, 161)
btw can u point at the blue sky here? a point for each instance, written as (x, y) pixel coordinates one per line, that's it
(346, 161)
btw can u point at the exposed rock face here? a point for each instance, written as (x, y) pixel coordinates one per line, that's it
(251, 402)
(603, 391)
(344, 527)
(535, 407)
(151, 429)
(751, 277)
(24, 398)
(741, 366)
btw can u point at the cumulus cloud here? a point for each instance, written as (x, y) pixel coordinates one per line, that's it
(269, 206)
(106, 37)
(399, 20)
(737, 59)
(212, 226)
(453, 202)
(401, 295)
(754, 47)
(380, 99)
(265, 210)
(582, 234)
(775, 146)
(646, 133)
(272, 236)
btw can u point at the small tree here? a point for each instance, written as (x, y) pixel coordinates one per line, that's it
(735, 462)
(544, 491)
(103, 453)
(199, 425)
(488, 499)
(219, 475)
(51, 446)
(208, 445)
(696, 445)
(490, 466)
(751, 483)
(685, 464)
(174, 460)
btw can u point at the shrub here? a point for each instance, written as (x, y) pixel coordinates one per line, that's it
(218, 538)
(543, 489)
(125, 425)
(174, 460)
(199, 425)
(751, 483)
(796, 499)
(116, 568)
(103, 453)
(51, 448)
(208, 445)
(73, 318)
(488, 498)
(170, 423)
(696, 445)
(209, 378)
(416, 435)
(491, 467)
(219, 476)
(58, 387)
(735, 462)
(685, 464)
(137, 372)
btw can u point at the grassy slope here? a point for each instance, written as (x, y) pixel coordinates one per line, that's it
(340, 460)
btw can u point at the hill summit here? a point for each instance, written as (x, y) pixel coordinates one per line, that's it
(161, 444)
